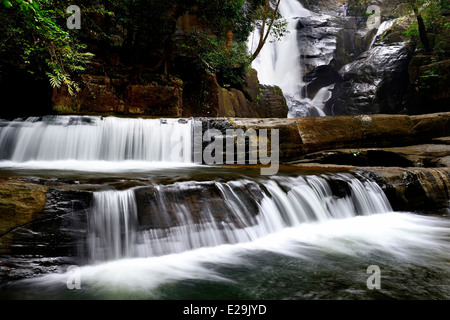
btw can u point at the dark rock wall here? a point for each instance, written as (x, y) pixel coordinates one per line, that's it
(161, 96)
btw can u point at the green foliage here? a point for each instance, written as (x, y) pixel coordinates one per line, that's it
(279, 27)
(269, 22)
(433, 13)
(134, 34)
(412, 32)
(359, 7)
(225, 15)
(230, 65)
(430, 78)
(34, 38)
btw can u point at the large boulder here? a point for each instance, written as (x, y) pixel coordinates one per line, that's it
(320, 77)
(371, 131)
(290, 141)
(376, 82)
(423, 155)
(352, 40)
(271, 103)
(314, 30)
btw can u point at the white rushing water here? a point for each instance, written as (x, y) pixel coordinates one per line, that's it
(113, 227)
(403, 244)
(92, 139)
(281, 237)
(279, 61)
(383, 27)
(262, 236)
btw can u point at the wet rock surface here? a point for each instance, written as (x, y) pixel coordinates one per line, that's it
(377, 82)
(300, 137)
(204, 202)
(413, 189)
(46, 236)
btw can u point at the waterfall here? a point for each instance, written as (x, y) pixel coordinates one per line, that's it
(383, 27)
(321, 97)
(191, 215)
(89, 138)
(279, 61)
(112, 228)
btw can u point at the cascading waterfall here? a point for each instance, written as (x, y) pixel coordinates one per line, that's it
(202, 232)
(279, 61)
(242, 211)
(89, 138)
(112, 228)
(383, 27)
(208, 232)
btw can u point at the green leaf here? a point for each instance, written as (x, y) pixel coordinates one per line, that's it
(7, 4)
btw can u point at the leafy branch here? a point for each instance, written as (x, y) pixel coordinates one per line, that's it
(274, 24)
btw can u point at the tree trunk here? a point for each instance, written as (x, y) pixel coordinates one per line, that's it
(423, 34)
(422, 30)
(263, 37)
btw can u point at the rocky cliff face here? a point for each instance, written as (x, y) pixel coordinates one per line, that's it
(367, 74)
(161, 96)
(368, 71)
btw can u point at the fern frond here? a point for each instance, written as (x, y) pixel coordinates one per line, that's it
(55, 81)
(72, 87)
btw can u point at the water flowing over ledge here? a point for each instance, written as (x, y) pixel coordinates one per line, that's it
(142, 231)
(167, 219)
(89, 138)
(65, 138)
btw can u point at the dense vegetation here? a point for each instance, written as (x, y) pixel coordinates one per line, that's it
(136, 37)
(431, 29)
(132, 35)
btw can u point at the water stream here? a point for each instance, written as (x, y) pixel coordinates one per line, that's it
(185, 231)
(279, 61)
